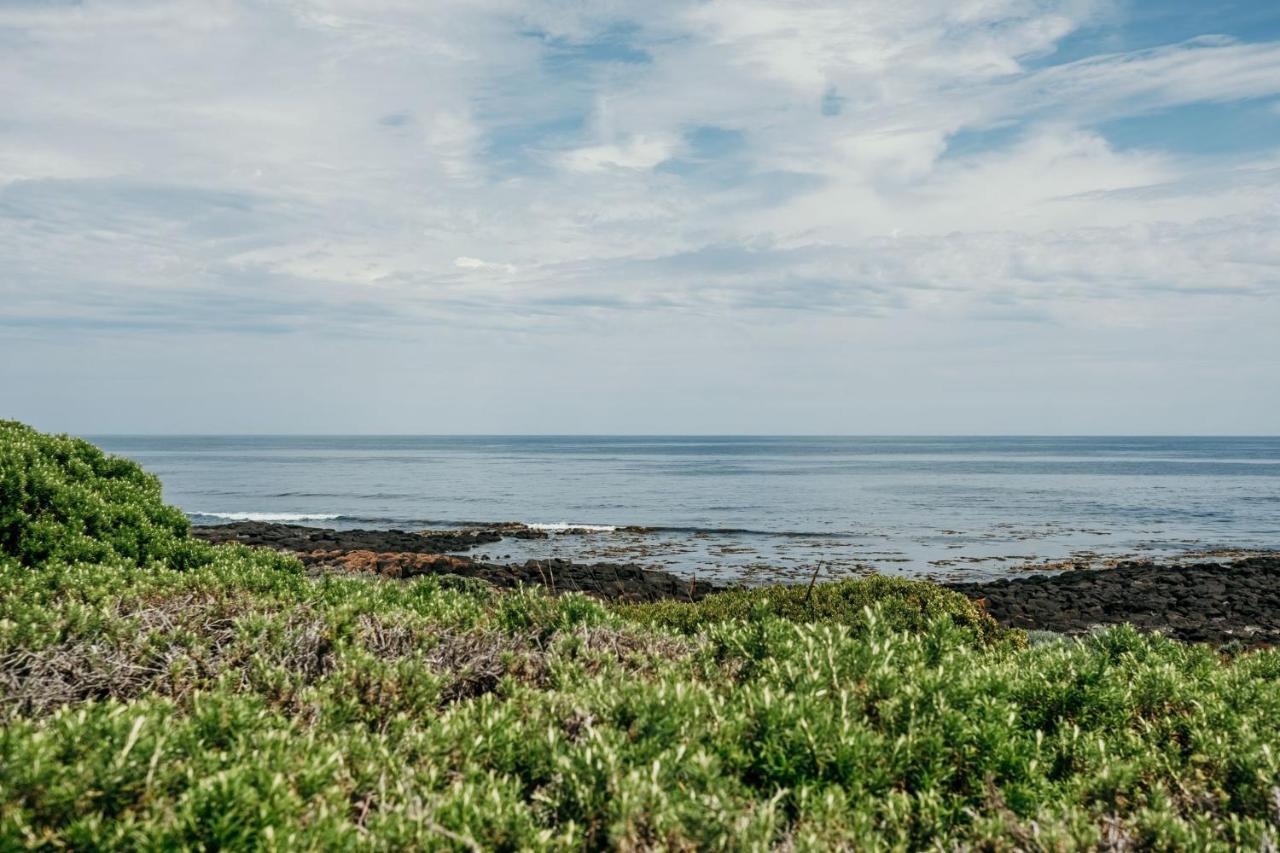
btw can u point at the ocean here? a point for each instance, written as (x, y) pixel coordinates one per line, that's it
(753, 509)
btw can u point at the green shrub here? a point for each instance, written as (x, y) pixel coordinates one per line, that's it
(62, 499)
(241, 704)
(327, 730)
(904, 605)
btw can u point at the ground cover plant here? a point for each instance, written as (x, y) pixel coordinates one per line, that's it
(159, 694)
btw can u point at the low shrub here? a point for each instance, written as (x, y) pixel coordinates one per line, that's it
(241, 704)
(903, 605)
(307, 726)
(64, 500)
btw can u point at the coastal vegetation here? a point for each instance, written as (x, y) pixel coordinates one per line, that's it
(157, 692)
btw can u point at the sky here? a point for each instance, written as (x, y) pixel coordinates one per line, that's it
(641, 216)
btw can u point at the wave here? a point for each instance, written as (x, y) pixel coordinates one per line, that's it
(268, 516)
(547, 527)
(744, 531)
(562, 526)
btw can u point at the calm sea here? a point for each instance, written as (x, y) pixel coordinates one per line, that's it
(751, 507)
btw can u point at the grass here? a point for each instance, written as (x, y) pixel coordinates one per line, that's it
(230, 701)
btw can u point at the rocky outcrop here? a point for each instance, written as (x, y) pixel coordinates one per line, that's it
(296, 537)
(611, 581)
(1219, 602)
(1203, 602)
(401, 554)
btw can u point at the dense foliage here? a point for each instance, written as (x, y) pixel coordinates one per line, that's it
(239, 703)
(903, 604)
(62, 499)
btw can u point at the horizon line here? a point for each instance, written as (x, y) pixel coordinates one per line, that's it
(658, 435)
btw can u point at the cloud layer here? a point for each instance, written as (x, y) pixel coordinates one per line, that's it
(568, 176)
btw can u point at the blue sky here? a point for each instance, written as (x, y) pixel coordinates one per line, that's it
(895, 216)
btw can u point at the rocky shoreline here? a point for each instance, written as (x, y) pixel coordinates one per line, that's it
(302, 539)
(400, 554)
(1219, 602)
(1236, 600)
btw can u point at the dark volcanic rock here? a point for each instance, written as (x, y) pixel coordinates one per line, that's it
(296, 537)
(1211, 602)
(1208, 602)
(611, 581)
(398, 554)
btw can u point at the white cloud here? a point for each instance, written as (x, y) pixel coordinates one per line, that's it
(638, 152)
(485, 266)
(333, 165)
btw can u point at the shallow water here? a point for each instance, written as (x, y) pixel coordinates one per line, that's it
(751, 507)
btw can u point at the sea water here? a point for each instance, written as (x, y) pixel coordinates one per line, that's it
(752, 508)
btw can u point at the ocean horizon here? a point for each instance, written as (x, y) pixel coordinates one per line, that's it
(753, 508)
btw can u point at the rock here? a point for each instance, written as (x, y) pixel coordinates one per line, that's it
(296, 537)
(1208, 602)
(401, 554)
(1204, 602)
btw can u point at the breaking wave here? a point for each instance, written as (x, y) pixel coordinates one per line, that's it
(268, 516)
(561, 526)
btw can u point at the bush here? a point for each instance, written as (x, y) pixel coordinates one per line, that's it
(251, 721)
(62, 499)
(241, 704)
(903, 604)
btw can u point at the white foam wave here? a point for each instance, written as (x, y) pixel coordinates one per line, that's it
(269, 516)
(561, 526)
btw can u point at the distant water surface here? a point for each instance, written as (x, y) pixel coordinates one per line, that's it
(756, 508)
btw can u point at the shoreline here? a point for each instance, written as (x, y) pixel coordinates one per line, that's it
(730, 556)
(1225, 596)
(402, 555)
(160, 692)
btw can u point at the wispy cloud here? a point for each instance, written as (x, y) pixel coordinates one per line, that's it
(328, 166)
